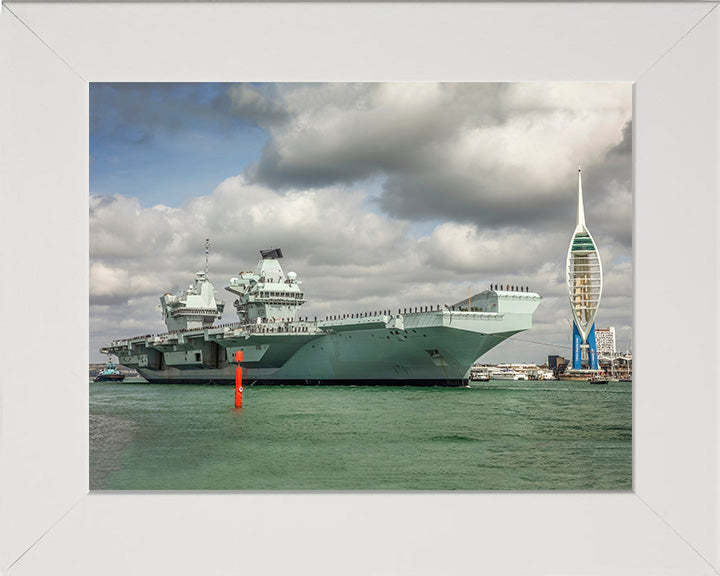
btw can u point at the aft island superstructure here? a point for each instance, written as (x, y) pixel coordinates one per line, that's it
(422, 345)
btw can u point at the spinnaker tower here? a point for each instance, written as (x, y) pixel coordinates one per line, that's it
(584, 282)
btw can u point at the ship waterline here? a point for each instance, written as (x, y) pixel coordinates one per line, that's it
(430, 346)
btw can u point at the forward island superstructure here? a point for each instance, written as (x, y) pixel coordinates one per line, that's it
(425, 345)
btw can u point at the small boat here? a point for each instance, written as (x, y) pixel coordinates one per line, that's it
(109, 374)
(598, 379)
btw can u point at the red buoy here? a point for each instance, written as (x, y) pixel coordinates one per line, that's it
(238, 380)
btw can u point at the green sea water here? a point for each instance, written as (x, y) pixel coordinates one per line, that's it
(489, 436)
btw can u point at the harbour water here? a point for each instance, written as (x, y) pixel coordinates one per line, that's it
(490, 436)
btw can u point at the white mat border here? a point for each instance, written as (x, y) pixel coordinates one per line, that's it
(49, 54)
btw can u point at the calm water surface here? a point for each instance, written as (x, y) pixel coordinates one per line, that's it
(490, 436)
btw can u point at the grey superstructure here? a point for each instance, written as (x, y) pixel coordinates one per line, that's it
(426, 345)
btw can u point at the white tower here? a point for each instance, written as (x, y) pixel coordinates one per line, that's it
(584, 280)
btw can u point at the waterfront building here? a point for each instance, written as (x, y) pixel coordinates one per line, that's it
(554, 361)
(557, 364)
(605, 339)
(584, 283)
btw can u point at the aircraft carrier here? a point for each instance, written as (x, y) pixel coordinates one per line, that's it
(418, 346)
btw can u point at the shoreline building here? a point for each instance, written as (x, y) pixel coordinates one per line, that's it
(584, 282)
(605, 339)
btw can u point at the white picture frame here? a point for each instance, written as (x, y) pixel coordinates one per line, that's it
(51, 524)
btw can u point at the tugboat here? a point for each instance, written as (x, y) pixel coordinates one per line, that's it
(109, 374)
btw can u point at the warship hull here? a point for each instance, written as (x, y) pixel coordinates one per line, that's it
(430, 348)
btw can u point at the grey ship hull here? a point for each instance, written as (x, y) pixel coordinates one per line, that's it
(430, 357)
(431, 348)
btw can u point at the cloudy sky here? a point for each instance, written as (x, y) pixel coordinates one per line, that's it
(380, 196)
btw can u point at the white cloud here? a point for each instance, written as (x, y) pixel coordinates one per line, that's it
(107, 281)
(516, 251)
(470, 142)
